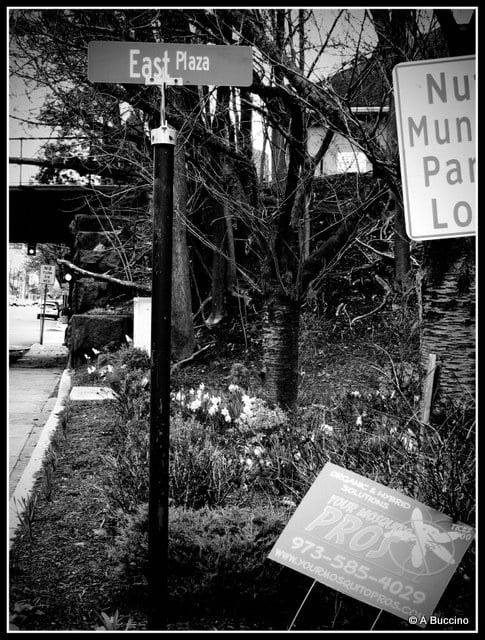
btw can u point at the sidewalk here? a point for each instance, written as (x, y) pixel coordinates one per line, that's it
(33, 390)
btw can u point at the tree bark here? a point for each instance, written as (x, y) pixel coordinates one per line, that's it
(218, 308)
(402, 259)
(280, 335)
(182, 322)
(449, 314)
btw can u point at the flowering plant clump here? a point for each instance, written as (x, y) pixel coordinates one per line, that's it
(245, 423)
(231, 411)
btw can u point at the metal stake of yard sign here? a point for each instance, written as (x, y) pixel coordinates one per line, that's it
(163, 140)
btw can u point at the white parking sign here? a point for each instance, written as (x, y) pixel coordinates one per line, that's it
(47, 274)
(435, 114)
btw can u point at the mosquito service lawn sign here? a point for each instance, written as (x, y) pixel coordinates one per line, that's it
(373, 543)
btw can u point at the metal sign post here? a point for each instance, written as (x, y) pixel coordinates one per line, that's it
(163, 140)
(153, 64)
(47, 277)
(42, 318)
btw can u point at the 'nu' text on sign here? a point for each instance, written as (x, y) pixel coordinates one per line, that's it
(435, 112)
(134, 62)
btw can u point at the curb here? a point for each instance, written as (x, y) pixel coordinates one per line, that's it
(26, 483)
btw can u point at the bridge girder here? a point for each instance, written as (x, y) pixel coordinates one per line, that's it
(43, 213)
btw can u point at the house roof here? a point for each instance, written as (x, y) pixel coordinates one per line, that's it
(365, 85)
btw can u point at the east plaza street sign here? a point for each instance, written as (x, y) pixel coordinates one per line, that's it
(435, 116)
(194, 64)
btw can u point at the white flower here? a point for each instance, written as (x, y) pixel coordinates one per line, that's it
(128, 339)
(249, 463)
(356, 394)
(95, 351)
(288, 502)
(179, 396)
(212, 409)
(327, 428)
(258, 451)
(194, 405)
(297, 455)
(226, 414)
(233, 388)
(91, 370)
(86, 356)
(358, 422)
(202, 386)
(215, 400)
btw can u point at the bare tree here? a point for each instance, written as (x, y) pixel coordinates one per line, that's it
(279, 261)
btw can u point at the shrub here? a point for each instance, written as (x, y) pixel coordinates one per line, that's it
(217, 562)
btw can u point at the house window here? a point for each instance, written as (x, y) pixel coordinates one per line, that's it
(352, 162)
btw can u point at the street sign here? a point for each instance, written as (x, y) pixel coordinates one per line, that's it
(435, 112)
(195, 64)
(373, 543)
(47, 274)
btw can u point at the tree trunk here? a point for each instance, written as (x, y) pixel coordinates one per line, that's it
(280, 337)
(402, 259)
(218, 288)
(449, 314)
(182, 323)
(449, 328)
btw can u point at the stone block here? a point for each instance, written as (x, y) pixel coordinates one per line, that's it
(99, 261)
(99, 331)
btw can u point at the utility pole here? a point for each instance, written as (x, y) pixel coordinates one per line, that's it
(163, 140)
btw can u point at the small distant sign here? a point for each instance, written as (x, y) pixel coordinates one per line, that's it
(435, 115)
(373, 543)
(47, 274)
(195, 64)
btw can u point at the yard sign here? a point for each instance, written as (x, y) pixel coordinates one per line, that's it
(435, 113)
(373, 543)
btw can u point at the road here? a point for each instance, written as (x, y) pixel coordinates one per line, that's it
(24, 328)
